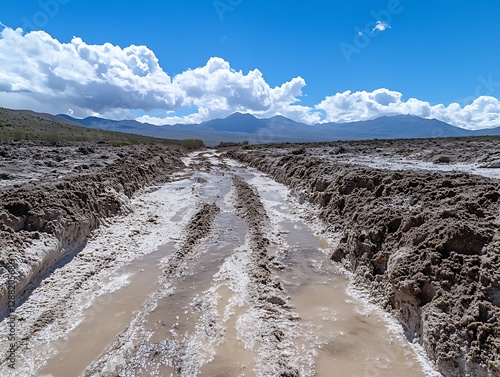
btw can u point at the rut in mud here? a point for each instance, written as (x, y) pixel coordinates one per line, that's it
(214, 274)
(422, 237)
(50, 219)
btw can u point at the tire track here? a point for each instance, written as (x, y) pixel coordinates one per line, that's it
(268, 299)
(167, 353)
(198, 228)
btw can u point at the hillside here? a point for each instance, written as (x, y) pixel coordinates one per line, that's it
(18, 125)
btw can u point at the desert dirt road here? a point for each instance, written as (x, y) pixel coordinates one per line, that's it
(221, 272)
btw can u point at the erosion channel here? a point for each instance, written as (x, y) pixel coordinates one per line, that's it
(221, 272)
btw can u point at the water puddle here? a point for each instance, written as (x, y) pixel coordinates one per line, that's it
(180, 312)
(351, 339)
(108, 316)
(231, 357)
(348, 337)
(191, 315)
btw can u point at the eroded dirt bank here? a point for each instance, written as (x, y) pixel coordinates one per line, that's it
(43, 221)
(427, 244)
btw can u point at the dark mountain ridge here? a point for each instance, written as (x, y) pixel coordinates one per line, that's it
(239, 127)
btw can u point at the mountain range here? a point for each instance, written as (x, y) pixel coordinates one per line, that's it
(239, 127)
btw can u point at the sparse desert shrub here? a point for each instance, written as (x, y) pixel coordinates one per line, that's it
(225, 144)
(193, 143)
(52, 137)
(120, 143)
(18, 134)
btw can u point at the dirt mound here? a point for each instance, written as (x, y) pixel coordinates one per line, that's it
(42, 222)
(427, 244)
(199, 226)
(267, 293)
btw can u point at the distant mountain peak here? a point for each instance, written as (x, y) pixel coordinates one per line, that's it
(240, 115)
(244, 126)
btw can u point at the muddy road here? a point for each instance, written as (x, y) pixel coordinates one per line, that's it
(419, 225)
(220, 272)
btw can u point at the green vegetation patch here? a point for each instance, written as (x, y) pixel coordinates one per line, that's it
(18, 126)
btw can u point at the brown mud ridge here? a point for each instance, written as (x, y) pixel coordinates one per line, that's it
(268, 294)
(199, 227)
(45, 221)
(426, 244)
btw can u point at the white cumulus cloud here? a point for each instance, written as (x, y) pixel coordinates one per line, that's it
(93, 78)
(40, 73)
(109, 80)
(483, 112)
(218, 90)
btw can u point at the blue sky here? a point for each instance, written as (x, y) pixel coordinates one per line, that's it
(429, 58)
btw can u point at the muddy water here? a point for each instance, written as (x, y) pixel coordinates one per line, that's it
(108, 316)
(111, 313)
(200, 319)
(351, 339)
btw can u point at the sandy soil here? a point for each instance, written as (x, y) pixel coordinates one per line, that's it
(421, 231)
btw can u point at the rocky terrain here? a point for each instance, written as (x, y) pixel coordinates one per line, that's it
(22, 163)
(424, 239)
(482, 152)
